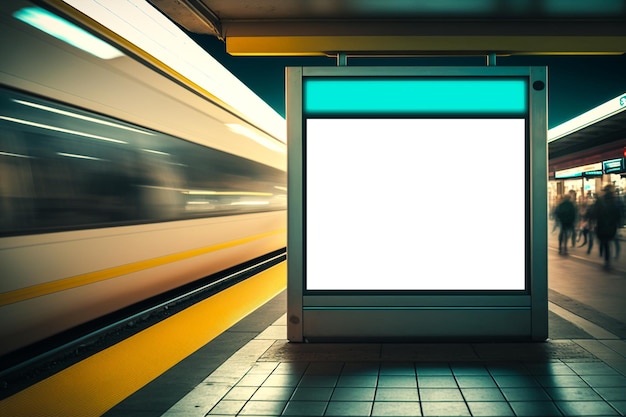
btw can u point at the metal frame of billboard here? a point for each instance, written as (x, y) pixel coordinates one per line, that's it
(419, 315)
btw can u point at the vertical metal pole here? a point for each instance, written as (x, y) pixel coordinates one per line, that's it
(342, 59)
(295, 200)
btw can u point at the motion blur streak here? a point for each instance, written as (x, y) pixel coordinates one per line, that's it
(93, 277)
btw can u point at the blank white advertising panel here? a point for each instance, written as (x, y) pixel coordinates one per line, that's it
(415, 203)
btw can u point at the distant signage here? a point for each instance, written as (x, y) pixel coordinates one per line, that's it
(586, 171)
(614, 166)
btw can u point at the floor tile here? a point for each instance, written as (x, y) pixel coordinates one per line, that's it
(437, 382)
(605, 381)
(295, 368)
(272, 394)
(566, 381)
(445, 409)
(396, 409)
(573, 394)
(492, 409)
(227, 407)
(348, 408)
(482, 394)
(282, 380)
(312, 394)
(440, 394)
(252, 380)
(353, 394)
(507, 368)
(263, 408)
(318, 381)
(466, 381)
(263, 368)
(516, 381)
(433, 369)
(591, 368)
(474, 369)
(305, 408)
(526, 394)
(360, 368)
(538, 409)
(397, 381)
(324, 368)
(549, 368)
(397, 368)
(240, 393)
(586, 408)
(357, 381)
(611, 393)
(397, 394)
(620, 406)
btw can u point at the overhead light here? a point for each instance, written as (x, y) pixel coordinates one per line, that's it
(263, 140)
(80, 116)
(67, 32)
(250, 203)
(60, 129)
(237, 193)
(156, 152)
(75, 155)
(15, 155)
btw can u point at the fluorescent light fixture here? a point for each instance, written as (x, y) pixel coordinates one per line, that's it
(147, 28)
(595, 115)
(208, 192)
(156, 152)
(250, 203)
(15, 155)
(74, 155)
(269, 143)
(67, 32)
(60, 129)
(81, 117)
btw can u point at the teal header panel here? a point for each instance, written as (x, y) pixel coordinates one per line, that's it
(434, 96)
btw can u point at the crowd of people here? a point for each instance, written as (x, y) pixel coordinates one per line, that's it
(598, 218)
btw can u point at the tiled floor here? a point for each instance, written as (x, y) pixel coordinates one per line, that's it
(579, 371)
(271, 377)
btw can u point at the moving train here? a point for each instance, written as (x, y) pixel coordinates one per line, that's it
(120, 178)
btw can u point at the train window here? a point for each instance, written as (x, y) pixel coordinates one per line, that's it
(63, 168)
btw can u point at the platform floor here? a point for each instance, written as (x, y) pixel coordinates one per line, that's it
(252, 370)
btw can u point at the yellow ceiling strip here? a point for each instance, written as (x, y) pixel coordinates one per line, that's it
(324, 45)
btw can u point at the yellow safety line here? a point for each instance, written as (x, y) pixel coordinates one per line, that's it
(95, 385)
(97, 276)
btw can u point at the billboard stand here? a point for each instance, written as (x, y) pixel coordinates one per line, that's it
(388, 239)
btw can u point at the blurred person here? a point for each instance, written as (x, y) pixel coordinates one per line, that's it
(608, 218)
(575, 229)
(565, 214)
(587, 228)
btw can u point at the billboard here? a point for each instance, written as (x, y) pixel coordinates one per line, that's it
(416, 189)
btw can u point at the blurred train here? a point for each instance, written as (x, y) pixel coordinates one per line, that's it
(119, 180)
